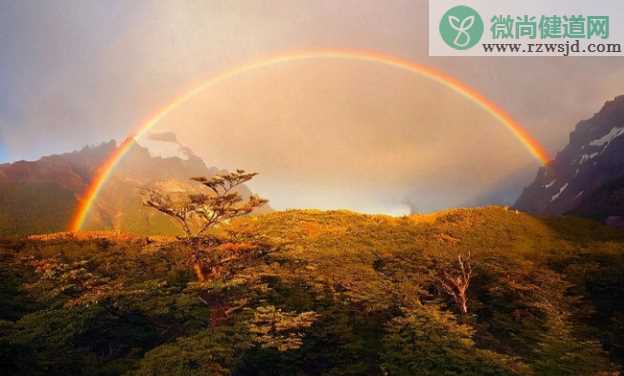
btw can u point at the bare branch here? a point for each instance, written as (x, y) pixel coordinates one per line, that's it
(456, 284)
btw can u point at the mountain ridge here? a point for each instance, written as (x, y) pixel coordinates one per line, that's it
(593, 158)
(40, 196)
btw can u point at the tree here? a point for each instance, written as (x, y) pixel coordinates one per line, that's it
(426, 340)
(456, 282)
(280, 330)
(199, 212)
(451, 278)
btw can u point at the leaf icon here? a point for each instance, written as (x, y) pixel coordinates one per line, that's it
(461, 26)
(467, 23)
(455, 23)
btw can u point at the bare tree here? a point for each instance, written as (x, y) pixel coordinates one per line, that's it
(456, 282)
(199, 212)
(452, 278)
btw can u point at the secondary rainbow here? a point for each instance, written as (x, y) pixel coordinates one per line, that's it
(105, 170)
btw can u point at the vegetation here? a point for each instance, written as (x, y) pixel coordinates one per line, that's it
(325, 293)
(19, 202)
(196, 213)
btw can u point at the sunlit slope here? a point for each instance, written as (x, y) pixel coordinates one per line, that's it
(545, 299)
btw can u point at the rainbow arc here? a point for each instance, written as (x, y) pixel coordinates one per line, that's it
(106, 169)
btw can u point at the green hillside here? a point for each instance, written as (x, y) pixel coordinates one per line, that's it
(321, 293)
(41, 196)
(33, 208)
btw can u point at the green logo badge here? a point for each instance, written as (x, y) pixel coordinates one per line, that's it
(461, 27)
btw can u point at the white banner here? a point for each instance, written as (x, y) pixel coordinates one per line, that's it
(526, 28)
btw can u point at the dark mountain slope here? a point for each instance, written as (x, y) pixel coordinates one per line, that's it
(586, 172)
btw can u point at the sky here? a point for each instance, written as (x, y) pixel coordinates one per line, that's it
(77, 72)
(401, 136)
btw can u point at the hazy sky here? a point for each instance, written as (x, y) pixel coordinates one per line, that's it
(82, 72)
(348, 134)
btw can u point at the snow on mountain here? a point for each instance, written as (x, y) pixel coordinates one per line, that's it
(558, 194)
(606, 139)
(592, 160)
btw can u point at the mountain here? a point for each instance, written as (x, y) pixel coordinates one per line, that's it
(586, 177)
(40, 196)
(331, 293)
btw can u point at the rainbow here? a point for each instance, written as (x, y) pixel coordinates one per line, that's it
(105, 170)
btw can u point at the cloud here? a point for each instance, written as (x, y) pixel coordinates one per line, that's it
(163, 136)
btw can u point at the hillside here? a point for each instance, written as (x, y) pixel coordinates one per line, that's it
(585, 178)
(321, 293)
(40, 196)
